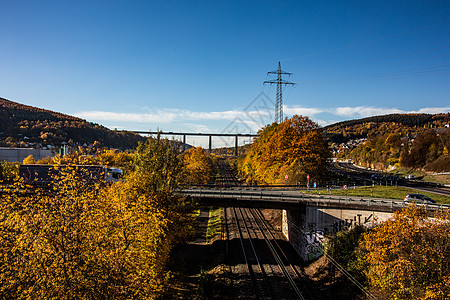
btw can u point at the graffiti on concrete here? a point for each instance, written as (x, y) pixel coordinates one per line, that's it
(314, 244)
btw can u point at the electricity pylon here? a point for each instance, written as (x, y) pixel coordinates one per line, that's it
(279, 82)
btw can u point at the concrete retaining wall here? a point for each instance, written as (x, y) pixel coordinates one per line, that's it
(19, 154)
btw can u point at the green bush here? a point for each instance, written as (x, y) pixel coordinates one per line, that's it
(343, 248)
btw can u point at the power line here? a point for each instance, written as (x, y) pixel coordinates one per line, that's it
(429, 71)
(367, 42)
(359, 62)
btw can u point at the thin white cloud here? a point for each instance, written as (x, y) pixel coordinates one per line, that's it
(193, 127)
(366, 111)
(166, 117)
(252, 125)
(324, 123)
(215, 115)
(252, 120)
(433, 110)
(363, 111)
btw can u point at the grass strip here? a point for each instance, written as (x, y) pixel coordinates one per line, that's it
(214, 223)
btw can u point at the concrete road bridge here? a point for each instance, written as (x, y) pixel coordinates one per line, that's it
(307, 218)
(291, 199)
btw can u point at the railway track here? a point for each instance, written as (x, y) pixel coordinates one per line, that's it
(260, 264)
(292, 273)
(227, 176)
(270, 272)
(256, 270)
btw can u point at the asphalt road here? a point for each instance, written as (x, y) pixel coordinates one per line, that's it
(364, 176)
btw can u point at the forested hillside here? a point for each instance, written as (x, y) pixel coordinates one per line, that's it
(418, 141)
(362, 128)
(25, 126)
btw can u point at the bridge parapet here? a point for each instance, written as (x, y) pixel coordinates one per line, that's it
(292, 199)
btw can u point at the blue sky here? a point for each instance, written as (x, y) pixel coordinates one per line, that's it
(199, 66)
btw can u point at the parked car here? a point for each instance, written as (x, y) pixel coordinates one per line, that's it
(410, 177)
(418, 198)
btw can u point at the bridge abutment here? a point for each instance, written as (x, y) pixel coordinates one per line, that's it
(306, 227)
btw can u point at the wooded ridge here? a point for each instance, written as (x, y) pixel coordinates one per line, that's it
(363, 128)
(27, 126)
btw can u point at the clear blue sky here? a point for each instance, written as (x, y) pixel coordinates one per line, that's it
(198, 65)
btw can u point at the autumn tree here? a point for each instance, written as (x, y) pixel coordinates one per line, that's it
(121, 159)
(295, 148)
(82, 239)
(157, 161)
(408, 256)
(199, 165)
(393, 144)
(381, 149)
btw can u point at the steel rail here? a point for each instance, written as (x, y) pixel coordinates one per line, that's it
(280, 250)
(278, 259)
(258, 261)
(249, 266)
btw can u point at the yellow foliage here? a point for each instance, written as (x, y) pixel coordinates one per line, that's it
(83, 239)
(199, 165)
(101, 157)
(29, 160)
(408, 256)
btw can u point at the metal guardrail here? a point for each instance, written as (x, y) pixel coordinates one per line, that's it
(313, 200)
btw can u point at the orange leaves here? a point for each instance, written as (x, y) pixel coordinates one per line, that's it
(408, 256)
(294, 148)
